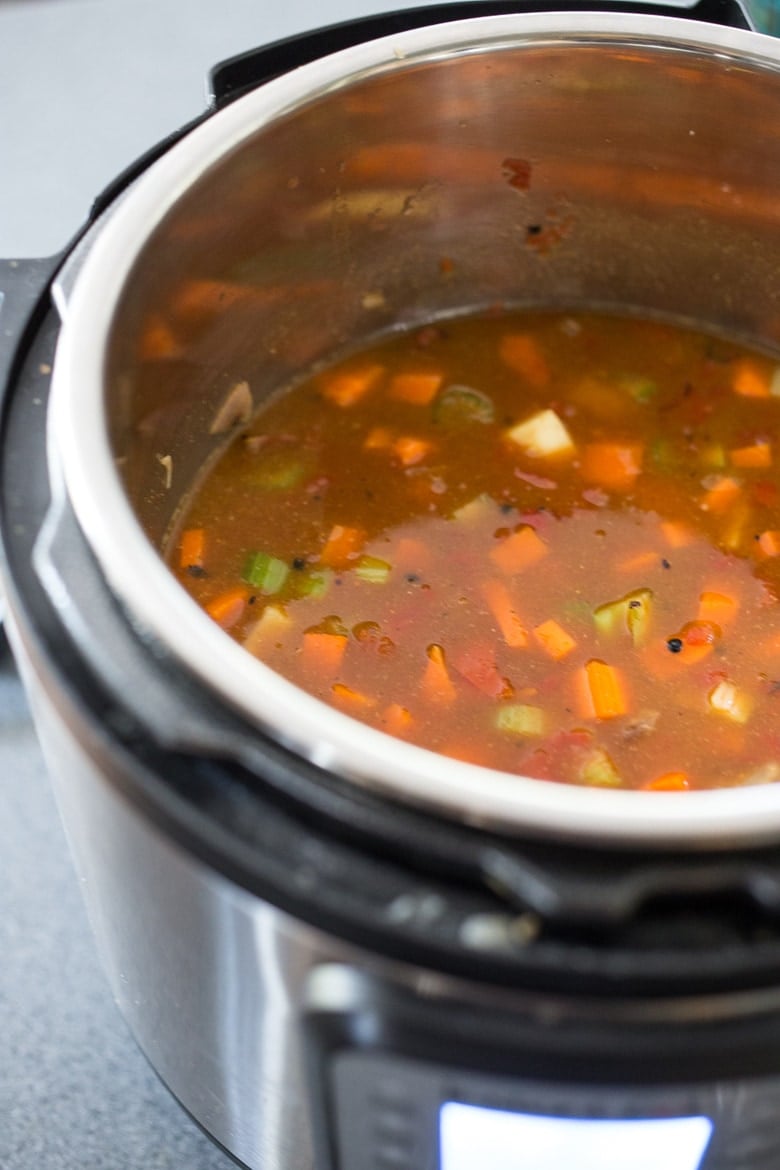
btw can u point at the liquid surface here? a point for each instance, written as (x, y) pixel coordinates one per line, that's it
(545, 543)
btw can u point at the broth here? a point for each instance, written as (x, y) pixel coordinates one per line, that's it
(548, 543)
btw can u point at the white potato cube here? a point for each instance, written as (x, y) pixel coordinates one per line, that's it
(542, 435)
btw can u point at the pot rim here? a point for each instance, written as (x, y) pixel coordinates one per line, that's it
(78, 445)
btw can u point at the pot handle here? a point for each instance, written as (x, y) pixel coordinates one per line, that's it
(235, 76)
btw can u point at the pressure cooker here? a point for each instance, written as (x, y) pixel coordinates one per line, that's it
(339, 950)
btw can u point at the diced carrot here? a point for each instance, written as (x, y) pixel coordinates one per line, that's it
(668, 782)
(639, 562)
(751, 379)
(396, 720)
(419, 388)
(523, 354)
(719, 608)
(157, 341)
(606, 689)
(342, 546)
(721, 495)
(613, 466)
(347, 387)
(436, 682)
(228, 607)
(192, 548)
(350, 698)
(198, 300)
(519, 551)
(758, 454)
(675, 534)
(509, 623)
(768, 543)
(379, 439)
(554, 639)
(410, 450)
(324, 652)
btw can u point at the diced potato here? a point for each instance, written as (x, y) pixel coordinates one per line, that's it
(728, 700)
(598, 771)
(269, 627)
(542, 435)
(520, 719)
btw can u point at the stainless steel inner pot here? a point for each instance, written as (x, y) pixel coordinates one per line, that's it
(373, 190)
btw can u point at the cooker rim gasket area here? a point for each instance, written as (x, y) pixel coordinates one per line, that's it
(707, 820)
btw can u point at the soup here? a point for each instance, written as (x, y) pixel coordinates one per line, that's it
(546, 543)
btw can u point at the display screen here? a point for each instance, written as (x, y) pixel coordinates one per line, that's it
(495, 1139)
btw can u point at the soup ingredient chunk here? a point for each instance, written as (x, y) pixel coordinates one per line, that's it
(546, 543)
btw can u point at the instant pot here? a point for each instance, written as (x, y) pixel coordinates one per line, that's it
(338, 950)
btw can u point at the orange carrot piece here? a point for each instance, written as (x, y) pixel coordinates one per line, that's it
(519, 551)
(419, 388)
(324, 651)
(723, 493)
(668, 782)
(675, 534)
(606, 689)
(522, 353)
(751, 379)
(611, 465)
(342, 546)
(347, 387)
(639, 562)
(157, 341)
(509, 623)
(192, 548)
(397, 720)
(758, 454)
(718, 608)
(554, 639)
(228, 607)
(379, 439)
(436, 682)
(410, 450)
(768, 543)
(350, 698)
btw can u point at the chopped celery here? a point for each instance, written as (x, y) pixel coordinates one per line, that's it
(713, 455)
(373, 570)
(641, 388)
(311, 583)
(631, 613)
(520, 719)
(277, 471)
(598, 771)
(266, 573)
(457, 405)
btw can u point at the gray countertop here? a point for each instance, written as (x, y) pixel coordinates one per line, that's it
(85, 87)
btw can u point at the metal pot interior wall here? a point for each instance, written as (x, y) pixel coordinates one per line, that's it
(551, 172)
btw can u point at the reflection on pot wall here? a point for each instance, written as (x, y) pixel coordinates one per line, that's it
(547, 174)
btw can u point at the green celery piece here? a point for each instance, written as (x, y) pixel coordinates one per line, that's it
(314, 583)
(277, 471)
(631, 613)
(520, 719)
(373, 570)
(598, 771)
(266, 573)
(641, 388)
(459, 405)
